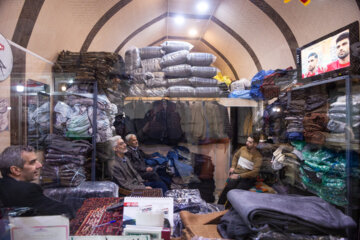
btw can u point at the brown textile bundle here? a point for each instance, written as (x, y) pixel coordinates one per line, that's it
(89, 66)
(315, 121)
(204, 225)
(315, 137)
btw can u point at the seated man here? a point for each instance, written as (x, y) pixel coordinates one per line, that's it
(123, 172)
(137, 159)
(19, 167)
(244, 169)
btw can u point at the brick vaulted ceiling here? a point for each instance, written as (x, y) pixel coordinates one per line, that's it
(245, 35)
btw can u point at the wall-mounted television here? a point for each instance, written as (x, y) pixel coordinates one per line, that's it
(329, 56)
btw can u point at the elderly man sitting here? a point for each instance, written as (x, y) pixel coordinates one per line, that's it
(137, 159)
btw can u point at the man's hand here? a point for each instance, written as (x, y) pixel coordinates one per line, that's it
(231, 170)
(149, 169)
(148, 187)
(234, 176)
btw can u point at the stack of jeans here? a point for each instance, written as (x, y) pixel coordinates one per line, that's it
(64, 160)
(315, 119)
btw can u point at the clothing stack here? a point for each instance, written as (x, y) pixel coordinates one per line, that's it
(316, 119)
(144, 66)
(288, 160)
(64, 160)
(337, 124)
(90, 66)
(74, 116)
(185, 74)
(294, 116)
(323, 173)
(308, 216)
(38, 122)
(266, 171)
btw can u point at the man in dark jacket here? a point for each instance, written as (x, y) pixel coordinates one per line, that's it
(137, 158)
(19, 166)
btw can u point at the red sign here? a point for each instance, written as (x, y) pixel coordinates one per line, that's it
(305, 2)
(2, 48)
(131, 204)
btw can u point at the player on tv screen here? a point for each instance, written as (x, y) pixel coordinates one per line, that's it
(313, 67)
(343, 53)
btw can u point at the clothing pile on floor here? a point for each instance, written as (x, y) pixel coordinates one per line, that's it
(171, 70)
(89, 66)
(187, 170)
(74, 115)
(63, 163)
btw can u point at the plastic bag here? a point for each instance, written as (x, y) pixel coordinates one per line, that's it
(151, 65)
(181, 91)
(207, 91)
(224, 79)
(183, 70)
(137, 90)
(132, 59)
(156, 92)
(151, 52)
(200, 59)
(203, 82)
(174, 58)
(241, 84)
(179, 82)
(204, 72)
(173, 46)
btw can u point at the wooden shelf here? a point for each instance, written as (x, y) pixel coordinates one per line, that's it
(227, 102)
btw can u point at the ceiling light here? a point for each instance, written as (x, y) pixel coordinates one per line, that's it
(193, 32)
(202, 6)
(20, 88)
(179, 19)
(71, 81)
(63, 88)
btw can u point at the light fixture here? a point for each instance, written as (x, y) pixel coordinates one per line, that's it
(179, 19)
(202, 6)
(20, 88)
(63, 88)
(8, 108)
(71, 81)
(193, 32)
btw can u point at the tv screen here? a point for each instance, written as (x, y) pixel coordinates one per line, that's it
(328, 56)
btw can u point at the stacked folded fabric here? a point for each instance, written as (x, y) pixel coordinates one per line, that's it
(171, 70)
(337, 124)
(90, 66)
(316, 119)
(64, 160)
(288, 159)
(323, 173)
(287, 214)
(294, 116)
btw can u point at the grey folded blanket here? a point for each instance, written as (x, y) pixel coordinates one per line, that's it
(288, 213)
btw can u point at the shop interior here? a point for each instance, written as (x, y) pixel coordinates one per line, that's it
(180, 119)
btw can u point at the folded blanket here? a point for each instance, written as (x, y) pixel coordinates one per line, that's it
(289, 213)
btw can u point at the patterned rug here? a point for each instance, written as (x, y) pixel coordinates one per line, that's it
(93, 213)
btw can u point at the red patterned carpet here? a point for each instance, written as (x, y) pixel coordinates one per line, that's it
(93, 213)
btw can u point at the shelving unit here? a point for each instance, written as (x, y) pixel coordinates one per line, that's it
(352, 157)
